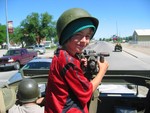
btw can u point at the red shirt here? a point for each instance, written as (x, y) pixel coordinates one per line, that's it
(68, 91)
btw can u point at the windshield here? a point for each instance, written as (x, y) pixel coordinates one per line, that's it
(37, 65)
(12, 52)
(39, 46)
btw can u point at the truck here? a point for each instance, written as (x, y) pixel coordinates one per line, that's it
(15, 58)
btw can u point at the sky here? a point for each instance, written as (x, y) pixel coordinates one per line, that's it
(116, 17)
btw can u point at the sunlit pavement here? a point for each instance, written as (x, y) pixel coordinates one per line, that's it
(49, 53)
(2, 52)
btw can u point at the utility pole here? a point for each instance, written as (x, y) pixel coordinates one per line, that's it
(7, 25)
(116, 29)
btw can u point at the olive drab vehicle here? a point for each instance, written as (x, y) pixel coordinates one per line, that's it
(118, 47)
(101, 102)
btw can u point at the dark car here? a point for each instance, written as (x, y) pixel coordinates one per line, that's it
(37, 63)
(118, 47)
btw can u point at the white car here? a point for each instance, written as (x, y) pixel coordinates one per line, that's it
(40, 49)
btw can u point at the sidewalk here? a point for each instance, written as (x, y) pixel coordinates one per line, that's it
(137, 48)
(142, 53)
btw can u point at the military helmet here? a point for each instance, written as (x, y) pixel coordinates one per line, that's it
(69, 17)
(28, 91)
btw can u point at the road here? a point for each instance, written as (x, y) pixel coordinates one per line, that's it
(128, 59)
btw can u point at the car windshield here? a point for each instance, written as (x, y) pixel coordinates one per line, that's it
(39, 46)
(37, 65)
(12, 52)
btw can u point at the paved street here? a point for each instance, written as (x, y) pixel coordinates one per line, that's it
(133, 48)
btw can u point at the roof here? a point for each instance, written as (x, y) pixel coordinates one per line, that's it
(142, 32)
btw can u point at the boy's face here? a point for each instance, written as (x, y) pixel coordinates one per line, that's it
(79, 41)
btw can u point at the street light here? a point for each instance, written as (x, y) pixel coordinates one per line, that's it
(6, 25)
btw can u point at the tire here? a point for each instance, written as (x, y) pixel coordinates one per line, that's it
(17, 66)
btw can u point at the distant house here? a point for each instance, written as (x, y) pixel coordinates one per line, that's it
(142, 36)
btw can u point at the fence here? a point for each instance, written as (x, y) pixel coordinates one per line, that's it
(141, 43)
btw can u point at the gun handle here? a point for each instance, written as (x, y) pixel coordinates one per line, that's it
(101, 58)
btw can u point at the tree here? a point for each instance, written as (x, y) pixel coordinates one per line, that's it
(38, 27)
(2, 34)
(19, 38)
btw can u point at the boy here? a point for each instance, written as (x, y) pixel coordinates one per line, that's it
(68, 90)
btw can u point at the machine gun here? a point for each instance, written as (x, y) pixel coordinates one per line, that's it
(92, 67)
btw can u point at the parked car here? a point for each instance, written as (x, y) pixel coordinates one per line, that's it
(31, 47)
(40, 49)
(14, 58)
(47, 44)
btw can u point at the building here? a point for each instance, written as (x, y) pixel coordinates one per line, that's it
(142, 37)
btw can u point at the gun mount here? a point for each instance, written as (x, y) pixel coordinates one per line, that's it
(92, 57)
